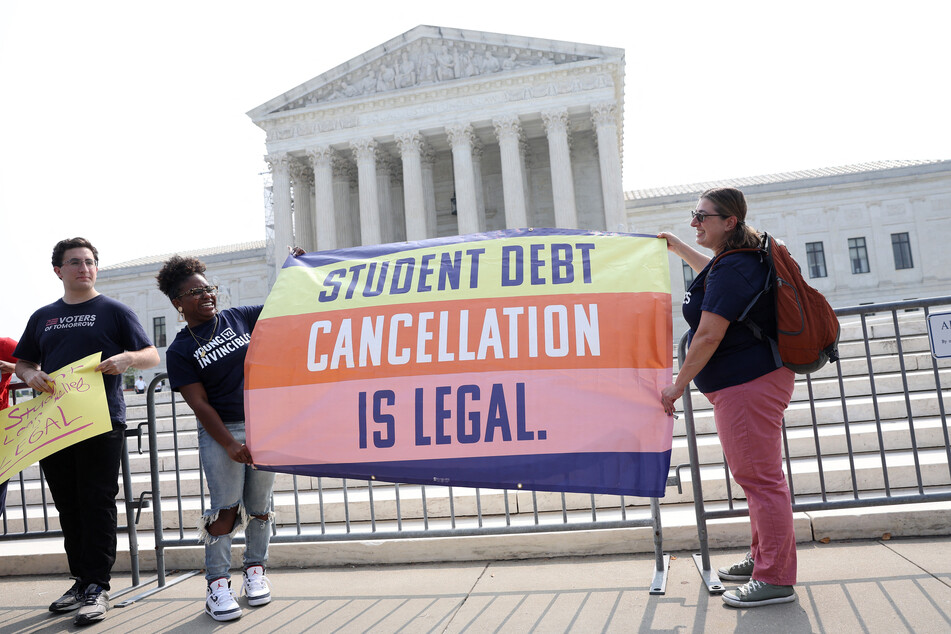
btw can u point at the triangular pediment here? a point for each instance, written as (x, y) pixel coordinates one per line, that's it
(427, 56)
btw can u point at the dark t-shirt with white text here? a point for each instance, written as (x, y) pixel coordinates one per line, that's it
(220, 369)
(60, 333)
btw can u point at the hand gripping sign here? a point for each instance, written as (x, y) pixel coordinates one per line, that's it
(518, 359)
(76, 410)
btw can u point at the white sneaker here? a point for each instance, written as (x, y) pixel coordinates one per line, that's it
(256, 586)
(220, 603)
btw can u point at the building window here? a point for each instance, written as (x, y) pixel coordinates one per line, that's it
(689, 275)
(816, 259)
(158, 332)
(901, 247)
(858, 255)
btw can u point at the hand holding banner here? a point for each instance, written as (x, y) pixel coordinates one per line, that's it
(76, 410)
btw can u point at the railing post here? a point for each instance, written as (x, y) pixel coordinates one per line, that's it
(701, 559)
(155, 484)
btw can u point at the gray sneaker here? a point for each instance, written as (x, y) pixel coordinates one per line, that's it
(95, 605)
(740, 571)
(69, 601)
(757, 593)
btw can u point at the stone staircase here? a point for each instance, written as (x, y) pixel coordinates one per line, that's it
(342, 509)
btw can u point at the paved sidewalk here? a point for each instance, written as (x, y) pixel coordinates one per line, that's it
(900, 585)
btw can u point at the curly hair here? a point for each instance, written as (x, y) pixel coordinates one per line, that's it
(72, 243)
(175, 271)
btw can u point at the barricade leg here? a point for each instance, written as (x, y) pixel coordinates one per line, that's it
(661, 559)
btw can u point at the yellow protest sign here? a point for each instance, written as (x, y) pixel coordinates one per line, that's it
(76, 410)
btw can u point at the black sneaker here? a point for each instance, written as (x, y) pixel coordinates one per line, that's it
(740, 571)
(95, 605)
(69, 601)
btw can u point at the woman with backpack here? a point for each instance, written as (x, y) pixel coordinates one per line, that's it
(748, 387)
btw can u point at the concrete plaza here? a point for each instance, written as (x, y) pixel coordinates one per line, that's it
(859, 586)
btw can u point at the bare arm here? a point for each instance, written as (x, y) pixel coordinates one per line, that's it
(705, 342)
(197, 399)
(33, 376)
(694, 259)
(140, 359)
(7, 368)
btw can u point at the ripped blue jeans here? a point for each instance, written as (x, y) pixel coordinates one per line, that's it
(233, 484)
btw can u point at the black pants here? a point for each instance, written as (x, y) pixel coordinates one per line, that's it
(84, 481)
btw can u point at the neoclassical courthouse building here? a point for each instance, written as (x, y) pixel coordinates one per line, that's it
(442, 132)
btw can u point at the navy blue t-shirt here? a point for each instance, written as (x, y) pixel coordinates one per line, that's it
(221, 369)
(730, 287)
(61, 333)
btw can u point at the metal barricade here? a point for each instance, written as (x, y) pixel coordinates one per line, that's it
(329, 509)
(30, 530)
(876, 420)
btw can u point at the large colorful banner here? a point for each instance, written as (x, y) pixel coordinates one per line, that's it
(76, 410)
(528, 359)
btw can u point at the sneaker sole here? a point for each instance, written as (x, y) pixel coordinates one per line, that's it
(82, 619)
(733, 600)
(226, 616)
(258, 601)
(67, 608)
(727, 576)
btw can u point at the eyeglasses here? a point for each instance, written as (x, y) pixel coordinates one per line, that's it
(696, 215)
(75, 263)
(198, 291)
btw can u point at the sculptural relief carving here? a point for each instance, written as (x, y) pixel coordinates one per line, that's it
(507, 127)
(363, 149)
(407, 75)
(321, 156)
(604, 114)
(409, 143)
(555, 121)
(460, 134)
(341, 167)
(429, 61)
(280, 162)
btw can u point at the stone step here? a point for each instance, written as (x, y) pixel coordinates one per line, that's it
(837, 475)
(46, 556)
(832, 438)
(338, 505)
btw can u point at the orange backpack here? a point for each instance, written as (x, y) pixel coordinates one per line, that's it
(806, 326)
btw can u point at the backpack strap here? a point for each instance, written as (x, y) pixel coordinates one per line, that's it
(758, 332)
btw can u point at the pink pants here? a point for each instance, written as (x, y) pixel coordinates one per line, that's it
(749, 420)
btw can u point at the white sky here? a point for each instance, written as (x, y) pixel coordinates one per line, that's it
(124, 122)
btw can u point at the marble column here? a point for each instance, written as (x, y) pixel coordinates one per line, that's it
(527, 162)
(384, 191)
(461, 138)
(477, 153)
(399, 211)
(325, 215)
(562, 181)
(429, 191)
(509, 130)
(355, 203)
(303, 213)
(341, 195)
(280, 165)
(414, 206)
(364, 151)
(604, 117)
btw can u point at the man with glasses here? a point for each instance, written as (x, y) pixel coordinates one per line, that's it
(83, 478)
